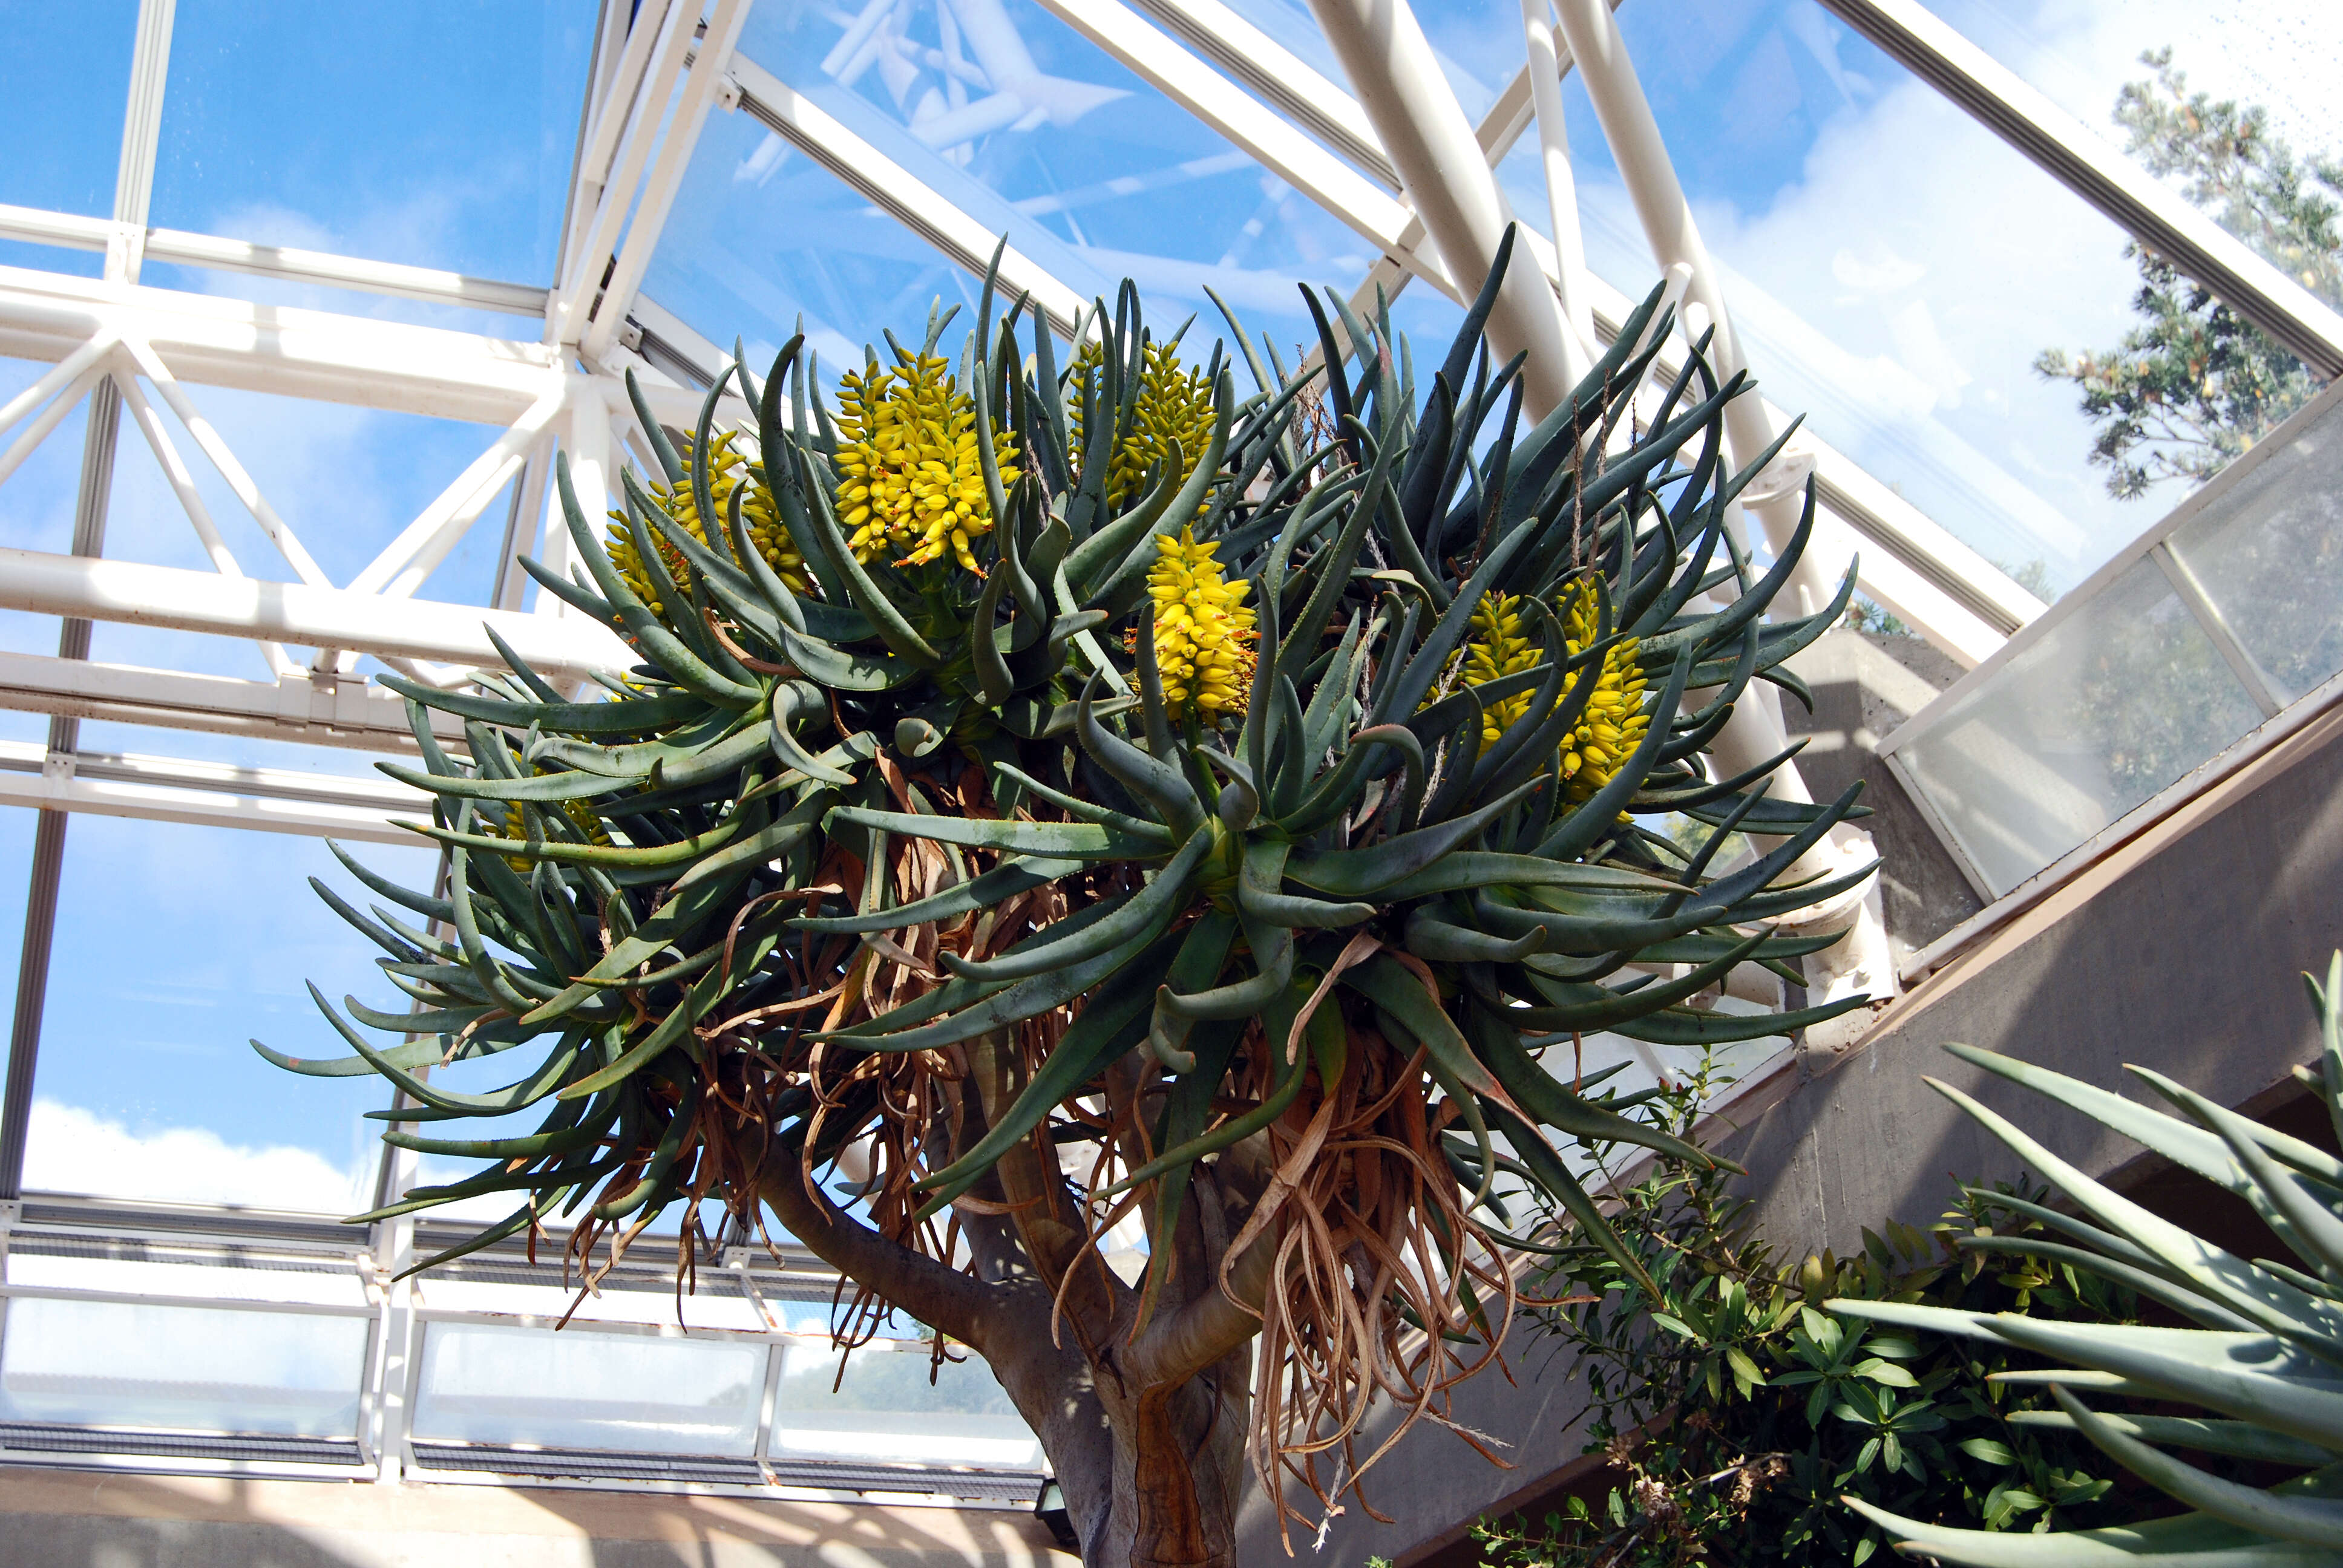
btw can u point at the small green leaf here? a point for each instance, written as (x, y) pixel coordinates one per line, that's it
(1886, 1373)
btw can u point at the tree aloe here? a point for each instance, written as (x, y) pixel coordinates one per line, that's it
(1049, 825)
(2265, 1361)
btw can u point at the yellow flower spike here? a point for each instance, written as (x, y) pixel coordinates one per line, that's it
(511, 824)
(1204, 635)
(730, 471)
(1175, 404)
(1614, 722)
(911, 484)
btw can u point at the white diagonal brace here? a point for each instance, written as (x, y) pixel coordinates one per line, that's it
(897, 192)
(608, 116)
(289, 544)
(88, 373)
(1162, 61)
(700, 90)
(183, 485)
(55, 378)
(408, 559)
(1282, 78)
(1446, 173)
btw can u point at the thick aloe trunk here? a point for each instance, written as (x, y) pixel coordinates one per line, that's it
(1144, 1422)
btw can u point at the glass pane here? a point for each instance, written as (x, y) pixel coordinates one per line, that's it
(439, 133)
(2279, 58)
(484, 1383)
(66, 78)
(176, 944)
(1012, 117)
(2269, 554)
(197, 1368)
(885, 1409)
(2104, 710)
(1894, 269)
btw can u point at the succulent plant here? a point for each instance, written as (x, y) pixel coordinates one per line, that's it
(2265, 1360)
(1139, 816)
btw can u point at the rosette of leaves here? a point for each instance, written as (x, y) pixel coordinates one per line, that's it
(2265, 1363)
(917, 886)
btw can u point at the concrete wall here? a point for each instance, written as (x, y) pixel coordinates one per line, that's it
(75, 1519)
(2182, 951)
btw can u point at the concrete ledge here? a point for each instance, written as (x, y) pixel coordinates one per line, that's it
(86, 1519)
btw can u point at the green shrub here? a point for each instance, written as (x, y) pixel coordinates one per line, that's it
(1735, 1413)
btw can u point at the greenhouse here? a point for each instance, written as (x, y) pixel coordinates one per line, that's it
(1407, 782)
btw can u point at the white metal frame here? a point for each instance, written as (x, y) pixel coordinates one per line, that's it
(2279, 717)
(659, 69)
(392, 1377)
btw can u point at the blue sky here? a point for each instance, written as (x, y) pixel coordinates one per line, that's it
(1894, 269)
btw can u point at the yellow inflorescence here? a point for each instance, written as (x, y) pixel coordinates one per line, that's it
(1498, 646)
(1175, 404)
(1613, 722)
(730, 471)
(910, 487)
(514, 826)
(1205, 633)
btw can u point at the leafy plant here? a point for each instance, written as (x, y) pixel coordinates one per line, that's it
(2195, 384)
(1734, 1412)
(1101, 828)
(2263, 1359)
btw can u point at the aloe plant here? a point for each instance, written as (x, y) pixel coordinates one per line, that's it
(1100, 829)
(2264, 1361)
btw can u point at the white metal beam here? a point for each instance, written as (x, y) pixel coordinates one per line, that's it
(1285, 150)
(1447, 178)
(213, 794)
(1282, 78)
(432, 285)
(711, 59)
(334, 358)
(669, 24)
(297, 613)
(2085, 163)
(896, 191)
(319, 713)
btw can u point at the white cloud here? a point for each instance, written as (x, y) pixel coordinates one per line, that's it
(70, 1149)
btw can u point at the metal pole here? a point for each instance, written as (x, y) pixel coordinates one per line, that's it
(1561, 189)
(1860, 962)
(49, 832)
(1447, 178)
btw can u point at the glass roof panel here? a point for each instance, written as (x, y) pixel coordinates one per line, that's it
(436, 134)
(2281, 57)
(67, 71)
(146, 1086)
(1139, 188)
(1894, 269)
